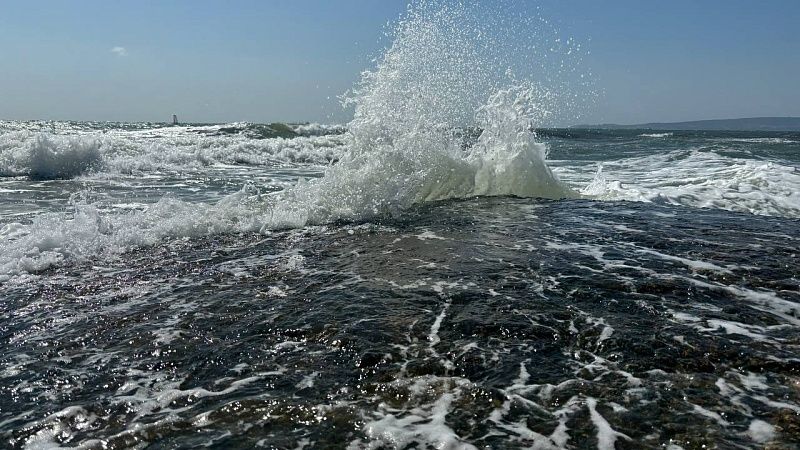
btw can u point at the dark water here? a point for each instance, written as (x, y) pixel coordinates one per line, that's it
(496, 322)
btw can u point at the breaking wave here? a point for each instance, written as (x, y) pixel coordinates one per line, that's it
(44, 156)
(49, 157)
(52, 239)
(445, 72)
(447, 113)
(702, 179)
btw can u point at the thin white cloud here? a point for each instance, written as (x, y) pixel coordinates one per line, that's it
(120, 51)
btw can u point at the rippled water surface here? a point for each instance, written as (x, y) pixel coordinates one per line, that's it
(434, 274)
(489, 322)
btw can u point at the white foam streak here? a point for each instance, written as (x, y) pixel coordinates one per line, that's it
(428, 427)
(425, 424)
(606, 436)
(656, 135)
(702, 179)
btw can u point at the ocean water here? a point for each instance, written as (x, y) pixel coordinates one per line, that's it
(440, 272)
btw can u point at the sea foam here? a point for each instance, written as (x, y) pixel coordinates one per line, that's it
(87, 233)
(447, 113)
(701, 178)
(47, 157)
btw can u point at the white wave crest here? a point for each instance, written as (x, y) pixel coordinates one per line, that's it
(426, 165)
(656, 135)
(701, 179)
(49, 158)
(46, 157)
(87, 233)
(318, 129)
(52, 156)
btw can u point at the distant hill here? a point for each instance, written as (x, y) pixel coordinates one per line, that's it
(748, 124)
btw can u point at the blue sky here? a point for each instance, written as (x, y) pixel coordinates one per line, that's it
(263, 61)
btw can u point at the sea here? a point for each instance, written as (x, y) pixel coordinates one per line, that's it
(410, 279)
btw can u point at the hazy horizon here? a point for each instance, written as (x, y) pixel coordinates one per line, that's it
(289, 62)
(576, 124)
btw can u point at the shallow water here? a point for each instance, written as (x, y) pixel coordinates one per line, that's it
(498, 322)
(668, 318)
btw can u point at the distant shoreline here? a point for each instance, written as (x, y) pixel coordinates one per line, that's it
(745, 124)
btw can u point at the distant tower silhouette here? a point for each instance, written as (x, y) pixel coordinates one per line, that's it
(174, 119)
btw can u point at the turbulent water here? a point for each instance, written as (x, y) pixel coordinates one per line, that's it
(433, 274)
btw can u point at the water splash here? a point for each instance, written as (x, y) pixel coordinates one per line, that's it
(448, 112)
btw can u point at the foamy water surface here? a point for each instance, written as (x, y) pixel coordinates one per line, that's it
(433, 274)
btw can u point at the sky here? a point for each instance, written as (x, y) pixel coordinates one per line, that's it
(265, 61)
